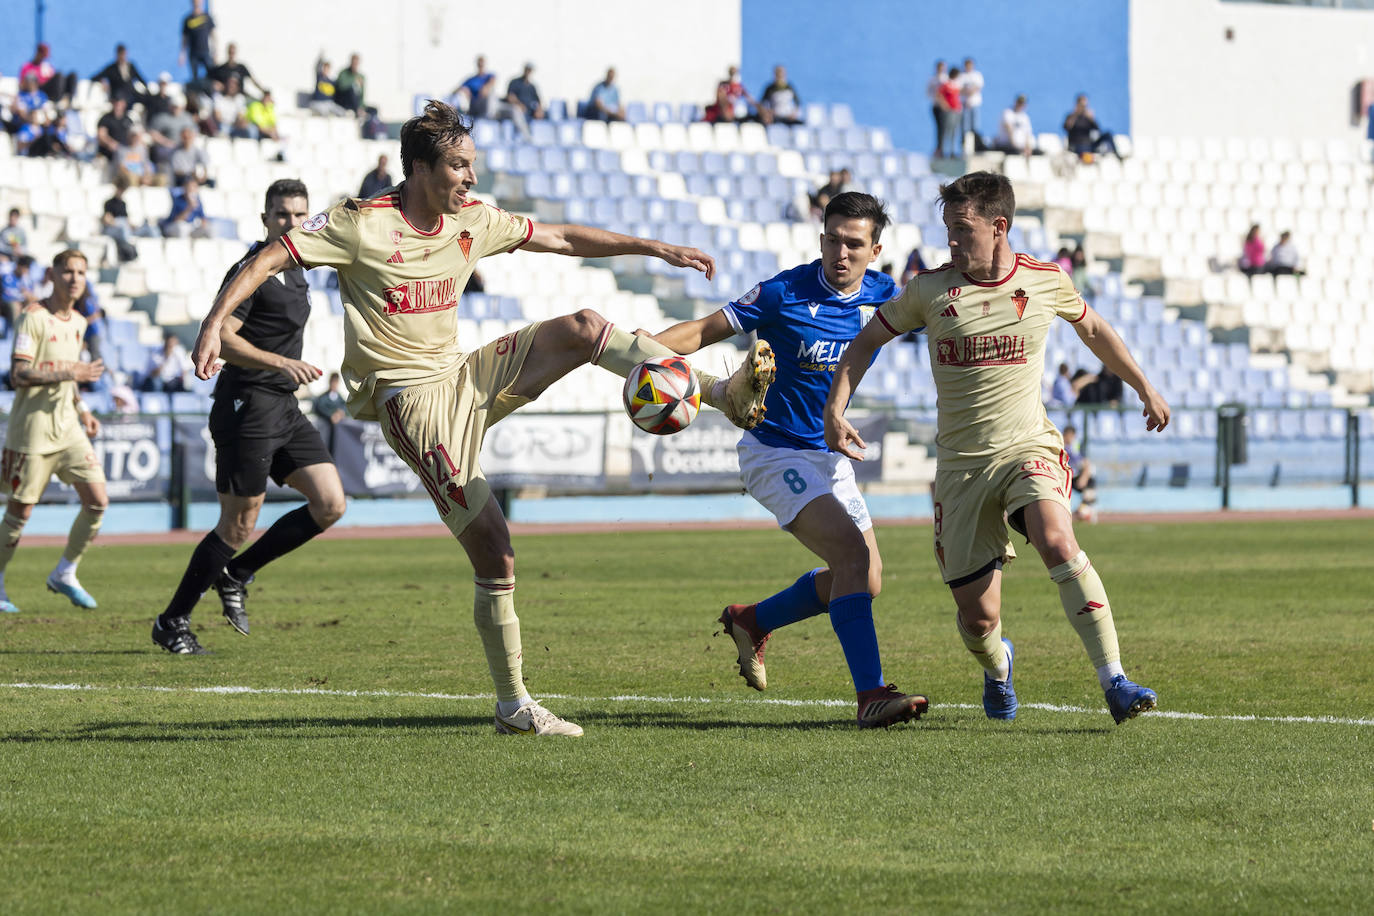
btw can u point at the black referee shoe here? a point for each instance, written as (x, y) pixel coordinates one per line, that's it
(233, 594)
(177, 637)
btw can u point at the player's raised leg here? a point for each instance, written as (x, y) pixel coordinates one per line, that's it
(62, 580)
(1084, 598)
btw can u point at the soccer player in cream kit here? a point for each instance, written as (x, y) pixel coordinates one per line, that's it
(403, 260)
(987, 316)
(810, 314)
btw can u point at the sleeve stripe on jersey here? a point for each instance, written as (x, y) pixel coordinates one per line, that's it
(730, 316)
(529, 233)
(294, 253)
(879, 314)
(1081, 315)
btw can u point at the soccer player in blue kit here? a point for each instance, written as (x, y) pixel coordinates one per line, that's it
(810, 314)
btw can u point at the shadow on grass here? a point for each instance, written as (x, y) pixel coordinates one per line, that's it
(73, 652)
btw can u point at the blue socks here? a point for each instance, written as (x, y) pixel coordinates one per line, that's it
(796, 602)
(852, 618)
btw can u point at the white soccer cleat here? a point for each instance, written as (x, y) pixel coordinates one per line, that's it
(533, 719)
(747, 388)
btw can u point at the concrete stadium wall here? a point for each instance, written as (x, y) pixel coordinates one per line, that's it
(1286, 71)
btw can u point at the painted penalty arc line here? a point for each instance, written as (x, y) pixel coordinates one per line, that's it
(233, 690)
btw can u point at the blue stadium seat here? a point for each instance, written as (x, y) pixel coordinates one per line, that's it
(841, 115)
(525, 159)
(604, 211)
(189, 402)
(741, 211)
(699, 185)
(643, 185)
(779, 135)
(581, 159)
(538, 186)
(99, 401)
(617, 184)
(556, 110)
(577, 210)
(765, 164)
(660, 161)
(714, 164)
(606, 161)
(828, 139)
(662, 112)
(689, 112)
(497, 159)
(486, 133)
(688, 162)
(542, 133)
(632, 210)
(636, 112)
(569, 133)
(750, 187)
(561, 186)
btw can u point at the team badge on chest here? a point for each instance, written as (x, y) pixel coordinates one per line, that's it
(1019, 299)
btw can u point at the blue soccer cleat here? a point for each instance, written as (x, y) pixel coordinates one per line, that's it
(999, 699)
(72, 590)
(8, 607)
(1127, 699)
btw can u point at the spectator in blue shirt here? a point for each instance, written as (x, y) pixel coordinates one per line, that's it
(187, 218)
(604, 104)
(473, 95)
(18, 290)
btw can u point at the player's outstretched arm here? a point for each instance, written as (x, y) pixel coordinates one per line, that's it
(1107, 345)
(840, 434)
(24, 374)
(586, 242)
(690, 336)
(268, 262)
(234, 349)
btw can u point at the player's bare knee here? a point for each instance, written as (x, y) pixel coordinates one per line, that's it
(328, 509)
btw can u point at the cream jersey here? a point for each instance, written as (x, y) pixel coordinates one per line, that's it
(987, 353)
(44, 418)
(400, 286)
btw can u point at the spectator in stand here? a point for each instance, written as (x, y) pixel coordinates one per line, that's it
(377, 180)
(31, 98)
(165, 130)
(1252, 252)
(159, 99)
(1064, 258)
(1078, 272)
(227, 105)
(914, 265)
(1062, 392)
(14, 241)
(1084, 137)
(233, 68)
(197, 41)
(733, 102)
(1016, 134)
(604, 104)
(351, 86)
(332, 405)
(18, 291)
(121, 78)
(473, 95)
(242, 128)
(971, 94)
(187, 219)
(1284, 258)
(134, 162)
(937, 100)
(113, 129)
(169, 369)
(189, 160)
(1084, 482)
(1103, 388)
(57, 86)
(522, 101)
(780, 102)
(43, 134)
(262, 114)
(323, 99)
(114, 220)
(122, 395)
(951, 117)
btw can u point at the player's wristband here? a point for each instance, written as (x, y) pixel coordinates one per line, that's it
(81, 407)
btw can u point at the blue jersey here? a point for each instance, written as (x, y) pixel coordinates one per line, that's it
(809, 324)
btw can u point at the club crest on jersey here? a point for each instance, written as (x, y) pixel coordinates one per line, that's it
(1019, 299)
(954, 291)
(752, 296)
(316, 222)
(465, 243)
(395, 236)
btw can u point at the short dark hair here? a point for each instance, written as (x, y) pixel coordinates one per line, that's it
(284, 187)
(425, 137)
(989, 194)
(857, 205)
(1070, 429)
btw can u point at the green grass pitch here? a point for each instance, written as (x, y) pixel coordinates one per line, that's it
(362, 773)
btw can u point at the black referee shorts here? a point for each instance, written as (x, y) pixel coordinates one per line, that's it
(260, 434)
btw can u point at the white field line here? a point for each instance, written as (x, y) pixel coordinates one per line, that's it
(635, 698)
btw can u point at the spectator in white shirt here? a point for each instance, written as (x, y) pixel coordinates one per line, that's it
(1016, 134)
(933, 94)
(971, 88)
(170, 368)
(1283, 257)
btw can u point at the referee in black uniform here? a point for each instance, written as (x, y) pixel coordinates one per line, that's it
(259, 431)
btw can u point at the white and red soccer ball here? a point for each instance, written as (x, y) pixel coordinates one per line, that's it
(662, 395)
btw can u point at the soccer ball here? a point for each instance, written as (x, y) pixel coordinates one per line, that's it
(662, 395)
